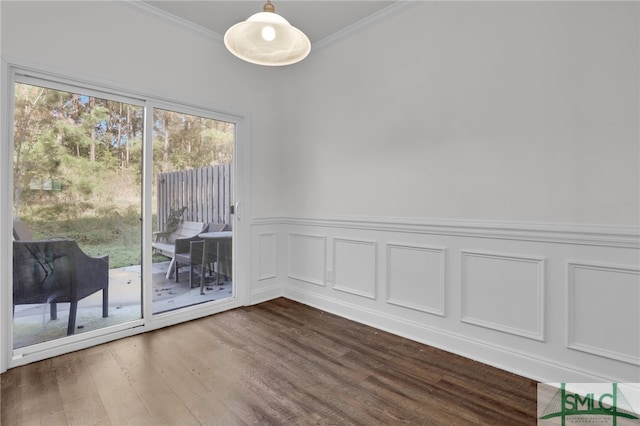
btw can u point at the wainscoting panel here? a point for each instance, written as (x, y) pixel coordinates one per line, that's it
(604, 310)
(268, 263)
(503, 292)
(307, 258)
(510, 295)
(416, 277)
(268, 256)
(355, 266)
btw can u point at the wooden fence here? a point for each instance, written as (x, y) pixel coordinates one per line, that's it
(206, 193)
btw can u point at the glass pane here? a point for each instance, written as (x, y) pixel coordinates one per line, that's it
(77, 210)
(193, 192)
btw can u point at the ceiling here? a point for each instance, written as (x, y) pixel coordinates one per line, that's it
(318, 19)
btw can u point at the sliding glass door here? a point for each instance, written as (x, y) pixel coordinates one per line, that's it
(77, 230)
(192, 209)
(123, 215)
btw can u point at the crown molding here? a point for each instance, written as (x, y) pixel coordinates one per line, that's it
(342, 34)
(173, 19)
(362, 24)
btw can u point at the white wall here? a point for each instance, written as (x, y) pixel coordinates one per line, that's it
(466, 174)
(519, 111)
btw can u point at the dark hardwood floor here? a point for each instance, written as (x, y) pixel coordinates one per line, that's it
(277, 363)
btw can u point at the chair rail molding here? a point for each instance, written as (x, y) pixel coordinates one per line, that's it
(622, 236)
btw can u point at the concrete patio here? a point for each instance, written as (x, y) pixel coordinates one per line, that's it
(32, 323)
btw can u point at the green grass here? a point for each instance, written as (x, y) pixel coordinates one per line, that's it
(114, 233)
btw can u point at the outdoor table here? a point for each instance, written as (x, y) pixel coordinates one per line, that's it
(212, 238)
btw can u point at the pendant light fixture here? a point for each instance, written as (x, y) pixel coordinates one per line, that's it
(266, 38)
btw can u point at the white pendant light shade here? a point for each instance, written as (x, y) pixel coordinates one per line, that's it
(266, 38)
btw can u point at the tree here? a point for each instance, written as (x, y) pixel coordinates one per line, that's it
(189, 141)
(70, 138)
(35, 148)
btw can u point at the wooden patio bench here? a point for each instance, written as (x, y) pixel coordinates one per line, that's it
(165, 242)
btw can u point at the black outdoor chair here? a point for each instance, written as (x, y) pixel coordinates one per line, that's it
(189, 252)
(58, 271)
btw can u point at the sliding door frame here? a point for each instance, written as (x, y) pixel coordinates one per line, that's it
(9, 74)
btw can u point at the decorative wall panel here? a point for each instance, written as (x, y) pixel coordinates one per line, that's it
(416, 277)
(307, 258)
(267, 255)
(503, 292)
(355, 266)
(604, 310)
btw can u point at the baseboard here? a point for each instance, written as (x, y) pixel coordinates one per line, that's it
(541, 370)
(265, 294)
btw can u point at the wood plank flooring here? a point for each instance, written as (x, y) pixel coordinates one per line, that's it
(277, 363)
